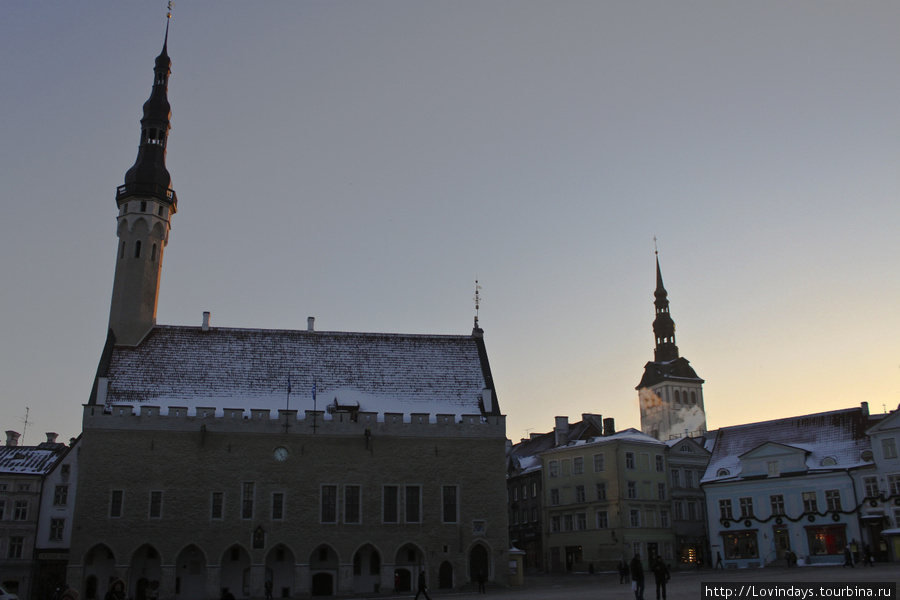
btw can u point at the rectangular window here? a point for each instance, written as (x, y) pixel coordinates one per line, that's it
(660, 463)
(156, 505)
(599, 463)
(554, 524)
(413, 504)
(601, 490)
(16, 547)
(871, 485)
(661, 491)
(450, 508)
(664, 518)
(629, 461)
(578, 465)
(675, 476)
(741, 545)
(688, 478)
(328, 511)
(2, 509)
(515, 493)
(20, 510)
(746, 508)
(632, 490)
(777, 501)
(216, 505)
(694, 511)
(889, 447)
(534, 490)
(389, 501)
(277, 506)
(554, 468)
(634, 517)
(568, 523)
(678, 505)
(809, 502)
(579, 493)
(534, 515)
(725, 509)
(115, 503)
(524, 491)
(247, 500)
(57, 526)
(772, 468)
(893, 482)
(61, 495)
(352, 504)
(581, 521)
(833, 499)
(602, 519)
(554, 497)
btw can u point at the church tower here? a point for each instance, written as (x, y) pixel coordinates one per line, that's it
(146, 202)
(670, 392)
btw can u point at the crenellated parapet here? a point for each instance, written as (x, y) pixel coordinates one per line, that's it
(141, 417)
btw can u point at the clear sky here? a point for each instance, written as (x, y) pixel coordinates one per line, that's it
(364, 162)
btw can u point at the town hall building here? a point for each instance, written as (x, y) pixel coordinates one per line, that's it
(221, 460)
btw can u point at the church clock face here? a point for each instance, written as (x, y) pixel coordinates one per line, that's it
(280, 454)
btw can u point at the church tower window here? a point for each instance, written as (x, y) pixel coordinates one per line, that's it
(137, 249)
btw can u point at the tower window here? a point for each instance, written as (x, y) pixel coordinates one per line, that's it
(122, 251)
(693, 397)
(137, 249)
(153, 253)
(160, 211)
(143, 206)
(677, 396)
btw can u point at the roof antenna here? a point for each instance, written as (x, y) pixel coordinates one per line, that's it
(25, 424)
(477, 299)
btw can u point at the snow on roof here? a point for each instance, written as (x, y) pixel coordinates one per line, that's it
(249, 368)
(838, 434)
(27, 460)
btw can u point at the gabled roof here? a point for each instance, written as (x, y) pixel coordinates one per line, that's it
(839, 434)
(249, 368)
(591, 425)
(887, 422)
(29, 460)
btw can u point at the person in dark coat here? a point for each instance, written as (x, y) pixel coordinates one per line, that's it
(623, 572)
(719, 561)
(868, 557)
(848, 558)
(661, 576)
(481, 581)
(116, 590)
(637, 576)
(423, 588)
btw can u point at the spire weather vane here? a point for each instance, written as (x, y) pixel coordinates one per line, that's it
(169, 9)
(477, 299)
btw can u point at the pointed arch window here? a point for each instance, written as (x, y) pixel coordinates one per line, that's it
(137, 249)
(153, 253)
(693, 397)
(122, 251)
(677, 396)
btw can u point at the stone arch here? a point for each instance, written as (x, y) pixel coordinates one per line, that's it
(408, 561)
(146, 567)
(190, 573)
(324, 565)
(140, 226)
(479, 561)
(366, 569)
(235, 571)
(158, 232)
(280, 563)
(99, 569)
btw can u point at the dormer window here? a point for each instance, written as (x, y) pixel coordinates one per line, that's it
(828, 461)
(772, 467)
(723, 473)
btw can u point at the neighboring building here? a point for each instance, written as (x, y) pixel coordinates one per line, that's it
(203, 470)
(524, 480)
(605, 499)
(670, 392)
(881, 490)
(22, 473)
(788, 485)
(687, 461)
(54, 532)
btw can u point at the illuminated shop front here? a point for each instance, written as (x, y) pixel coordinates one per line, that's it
(741, 544)
(826, 539)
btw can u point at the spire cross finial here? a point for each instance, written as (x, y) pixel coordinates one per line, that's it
(477, 300)
(655, 247)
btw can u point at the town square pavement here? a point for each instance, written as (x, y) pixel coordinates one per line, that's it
(684, 585)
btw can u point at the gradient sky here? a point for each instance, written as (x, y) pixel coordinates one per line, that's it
(364, 162)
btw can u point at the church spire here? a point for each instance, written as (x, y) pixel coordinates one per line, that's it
(663, 325)
(148, 177)
(146, 203)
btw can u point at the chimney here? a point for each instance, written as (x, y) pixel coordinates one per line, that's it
(12, 438)
(205, 326)
(609, 426)
(51, 437)
(310, 323)
(561, 431)
(864, 406)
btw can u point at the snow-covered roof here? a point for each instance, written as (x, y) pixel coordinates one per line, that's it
(626, 435)
(838, 434)
(28, 460)
(249, 368)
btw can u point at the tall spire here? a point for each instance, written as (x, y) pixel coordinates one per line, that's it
(663, 325)
(149, 178)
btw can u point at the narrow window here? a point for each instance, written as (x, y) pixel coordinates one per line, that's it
(351, 504)
(247, 500)
(660, 464)
(809, 502)
(777, 502)
(450, 502)
(413, 506)
(725, 509)
(57, 526)
(20, 510)
(746, 508)
(216, 505)
(137, 249)
(155, 505)
(601, 490)
(629, 461)
(579, 493)
(153, 253)
(329, 504)
(16, 547)
(602, 519)
(143, 206)
(61, 495)
(833, 499)
(122, 251)
(599, 463)
(389, 504)
(277, 506)
(115, 503)
(578, 465)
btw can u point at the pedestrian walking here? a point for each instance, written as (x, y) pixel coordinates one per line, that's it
(661, 577)
(637, 577)
(423, 589)
(868, 557)
(719, 564)
(848, 558)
